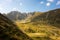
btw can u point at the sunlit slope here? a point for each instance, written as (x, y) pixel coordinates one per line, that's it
(36, 31)
(51, 17)
(42, 26)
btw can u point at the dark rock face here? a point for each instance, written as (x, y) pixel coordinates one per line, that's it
(9, 31)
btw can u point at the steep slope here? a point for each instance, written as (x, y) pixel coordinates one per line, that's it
(53, 14)
(9, 31)
(51, 17)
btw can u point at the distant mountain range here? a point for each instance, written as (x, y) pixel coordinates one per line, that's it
(52, 14)
(50, 17)
(15, 15)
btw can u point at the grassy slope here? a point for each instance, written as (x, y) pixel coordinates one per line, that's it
(42, 26)
(40, 31)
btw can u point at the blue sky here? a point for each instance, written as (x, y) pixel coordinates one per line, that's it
(28, 5)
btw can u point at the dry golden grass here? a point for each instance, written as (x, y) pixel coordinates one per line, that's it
(40, 30)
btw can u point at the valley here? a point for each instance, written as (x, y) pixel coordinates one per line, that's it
(38, 25)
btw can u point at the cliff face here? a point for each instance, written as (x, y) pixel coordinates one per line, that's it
(9, 31)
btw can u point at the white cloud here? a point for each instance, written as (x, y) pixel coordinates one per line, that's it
(41, 2)
(48, 4)
(21, 4)
(5, 2)
(50, 0)
(1, 8)
(58, 3)
(14, 9)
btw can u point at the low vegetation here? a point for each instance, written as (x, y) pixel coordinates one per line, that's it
(40, 31)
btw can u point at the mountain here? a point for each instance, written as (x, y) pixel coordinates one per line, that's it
(51, 17)
(9, 31)
(15, 15)
(53, 14)
(42, 25)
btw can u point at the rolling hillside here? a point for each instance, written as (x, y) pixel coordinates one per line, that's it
(42, 26)
(51, 17)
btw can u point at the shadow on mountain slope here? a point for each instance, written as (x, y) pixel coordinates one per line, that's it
(9, 31)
